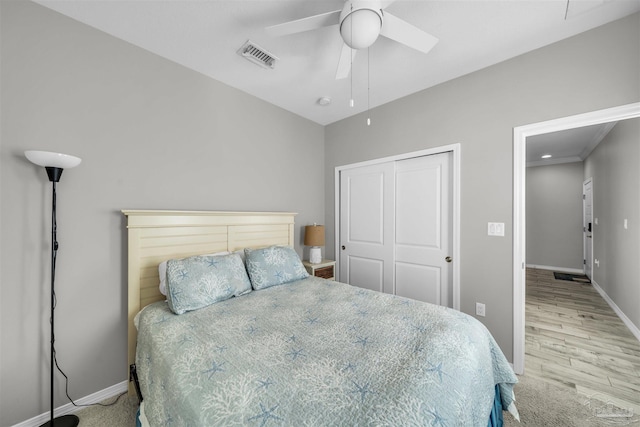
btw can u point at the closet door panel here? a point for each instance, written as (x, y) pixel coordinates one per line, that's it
(423, 236)
(366, 273)
(366, 226)
(407, 275)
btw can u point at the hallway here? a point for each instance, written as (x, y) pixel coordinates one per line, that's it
(575, 340)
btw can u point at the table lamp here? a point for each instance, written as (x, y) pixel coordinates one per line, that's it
(314, 237)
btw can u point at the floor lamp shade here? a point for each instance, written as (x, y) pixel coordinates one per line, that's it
(314, 236)
(54, 163)
(54, 160)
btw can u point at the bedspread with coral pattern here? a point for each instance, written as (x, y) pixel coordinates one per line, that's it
(318, 352)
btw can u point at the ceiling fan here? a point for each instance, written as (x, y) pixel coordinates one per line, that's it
(360, 22)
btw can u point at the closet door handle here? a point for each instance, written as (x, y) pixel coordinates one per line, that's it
(344, 247)
(448, 259)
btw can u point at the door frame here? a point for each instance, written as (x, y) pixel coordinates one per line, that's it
(585, 241)
(520, 135)
(455, 189)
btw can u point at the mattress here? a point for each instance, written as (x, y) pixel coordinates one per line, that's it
(318, 352)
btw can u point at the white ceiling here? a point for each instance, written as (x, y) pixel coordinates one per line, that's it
(573, 145)
(204, 35)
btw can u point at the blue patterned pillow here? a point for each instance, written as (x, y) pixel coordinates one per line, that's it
(273, 266)
(199, 281)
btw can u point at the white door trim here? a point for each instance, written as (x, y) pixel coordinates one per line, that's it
(585, 241)
(455, 149)
(520, 135)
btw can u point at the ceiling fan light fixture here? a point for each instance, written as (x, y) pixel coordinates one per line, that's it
(360, 28)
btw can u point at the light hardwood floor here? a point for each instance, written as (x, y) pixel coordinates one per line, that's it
(575, 340)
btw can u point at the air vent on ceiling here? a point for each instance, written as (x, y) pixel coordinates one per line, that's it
(257, 55)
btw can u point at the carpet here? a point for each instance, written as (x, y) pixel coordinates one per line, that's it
(543, 404)
(120, 414)
(580, 278)
(539, 403)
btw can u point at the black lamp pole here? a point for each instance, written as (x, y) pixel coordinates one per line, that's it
(54, 174)
(54, 164)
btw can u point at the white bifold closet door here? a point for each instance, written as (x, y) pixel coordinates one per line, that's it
(396, 230)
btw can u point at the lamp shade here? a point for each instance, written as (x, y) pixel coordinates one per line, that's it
(314, 235)
(53, 160)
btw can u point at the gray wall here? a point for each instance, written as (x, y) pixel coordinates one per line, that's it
(155, 135)
(614, 166)
(152, 135)
(554, 215)
(594, 70)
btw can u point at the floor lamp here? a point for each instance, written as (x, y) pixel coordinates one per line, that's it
(54, 163)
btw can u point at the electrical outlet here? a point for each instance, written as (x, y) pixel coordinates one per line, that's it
(480, 309)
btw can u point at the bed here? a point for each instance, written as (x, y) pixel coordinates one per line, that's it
(302, 351)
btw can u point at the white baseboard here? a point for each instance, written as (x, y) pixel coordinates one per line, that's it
(558, 269)
(96, 397)
(633, 328)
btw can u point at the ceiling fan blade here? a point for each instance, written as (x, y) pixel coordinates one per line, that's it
(401, 31)
(344, 65)
(305, 24)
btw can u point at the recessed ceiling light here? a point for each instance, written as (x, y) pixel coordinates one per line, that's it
(324, 101)
(546, 156)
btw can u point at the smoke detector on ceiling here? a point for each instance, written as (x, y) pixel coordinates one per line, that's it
(257, 55)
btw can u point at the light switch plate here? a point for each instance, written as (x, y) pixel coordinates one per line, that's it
(495, 229)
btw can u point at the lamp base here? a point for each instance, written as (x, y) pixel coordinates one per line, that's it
(315, 255)
(63, 421)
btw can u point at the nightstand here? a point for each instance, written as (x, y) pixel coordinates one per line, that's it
(325, 269)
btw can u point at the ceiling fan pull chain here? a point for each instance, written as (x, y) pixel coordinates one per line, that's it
(351, 103)
(368, 90)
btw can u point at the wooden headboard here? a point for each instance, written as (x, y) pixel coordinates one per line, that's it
(156, 236)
